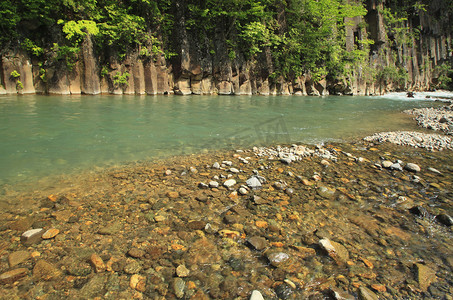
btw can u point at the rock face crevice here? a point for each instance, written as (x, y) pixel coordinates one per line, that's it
(198, 70)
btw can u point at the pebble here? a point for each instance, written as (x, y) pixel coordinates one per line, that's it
(286, 160)
(227, 163)
(445, 219)
(435, 171)
(216, 165)
(367, 294)
(203, 185)
(412, 167)
(234, 170)
(13, 275)
(97, 263)
(256, 295)
(51, 233)
(136, 253)
(17, 258)
(138, 282)
(172, 195)
(396, 166)
(229, 183)
(32, 236)
(168, 172)
(45, 271)
(178, 287)
(182, 271)
(213, 184)
(257, 242)
(325, 192)
(253, 183)
(387, 164)
(243, 191)
(277, 258)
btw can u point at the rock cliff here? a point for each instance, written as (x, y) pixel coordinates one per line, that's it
(196, 70)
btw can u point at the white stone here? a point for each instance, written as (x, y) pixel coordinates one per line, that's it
(256, 295)
(229, 183)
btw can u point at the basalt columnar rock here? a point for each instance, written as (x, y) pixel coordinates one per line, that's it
(207, 66)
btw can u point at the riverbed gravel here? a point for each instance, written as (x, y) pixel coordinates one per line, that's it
(336, 222)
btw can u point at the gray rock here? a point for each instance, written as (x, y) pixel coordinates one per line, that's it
(253, 183)
(178, 287)
(227, 163)
(243, 191)
(32, 236)
(257, 242)
(339, 294)
(412, 167)
(396, 166)
(326, 192)
(182, 271)
(386, 164)
(445, 219)
(367, 294)
(286, 160)
(435, 171)
(277, 258)
(93, 287)
(213, 184)
(279, 185)
(229, 183)
(234, 170)
(168, 172)
(216, 165)
(203, 185)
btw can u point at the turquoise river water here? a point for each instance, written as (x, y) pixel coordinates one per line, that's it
(51, 135)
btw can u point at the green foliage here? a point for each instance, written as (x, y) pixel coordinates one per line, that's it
(31, 47)
(19, 85)
(15, 74)
(67, 53)
(444, 77)
(392, 75)
(76, 31)
(43, 74)
(121, 79)
(104, 71)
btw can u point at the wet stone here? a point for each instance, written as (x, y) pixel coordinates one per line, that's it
(229, 183)
(257, 242)
(412, 167)
(182, 271)
(178, 287)
(325, 192)
(97, 263)
(45, 271)
(425, 276)
(256, 295)
(277, 258)
(13, 275)
(136, 253)
(111, 229)
(216, 165)
(445, 219)
(396, 166)
(51, 233)
(196, 225)
(213, 184)
(172, 195)
(243, 191)
(253, 183)
(367, 294)
(132, 267)
(32, 236)
(17, 258)
(387, 164)
(284, 291)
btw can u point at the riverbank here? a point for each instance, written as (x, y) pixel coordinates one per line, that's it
(361, 219)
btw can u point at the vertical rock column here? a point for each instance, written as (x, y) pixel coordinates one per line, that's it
(90, 82)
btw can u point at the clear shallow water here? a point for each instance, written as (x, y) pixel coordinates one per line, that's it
(52, 135)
